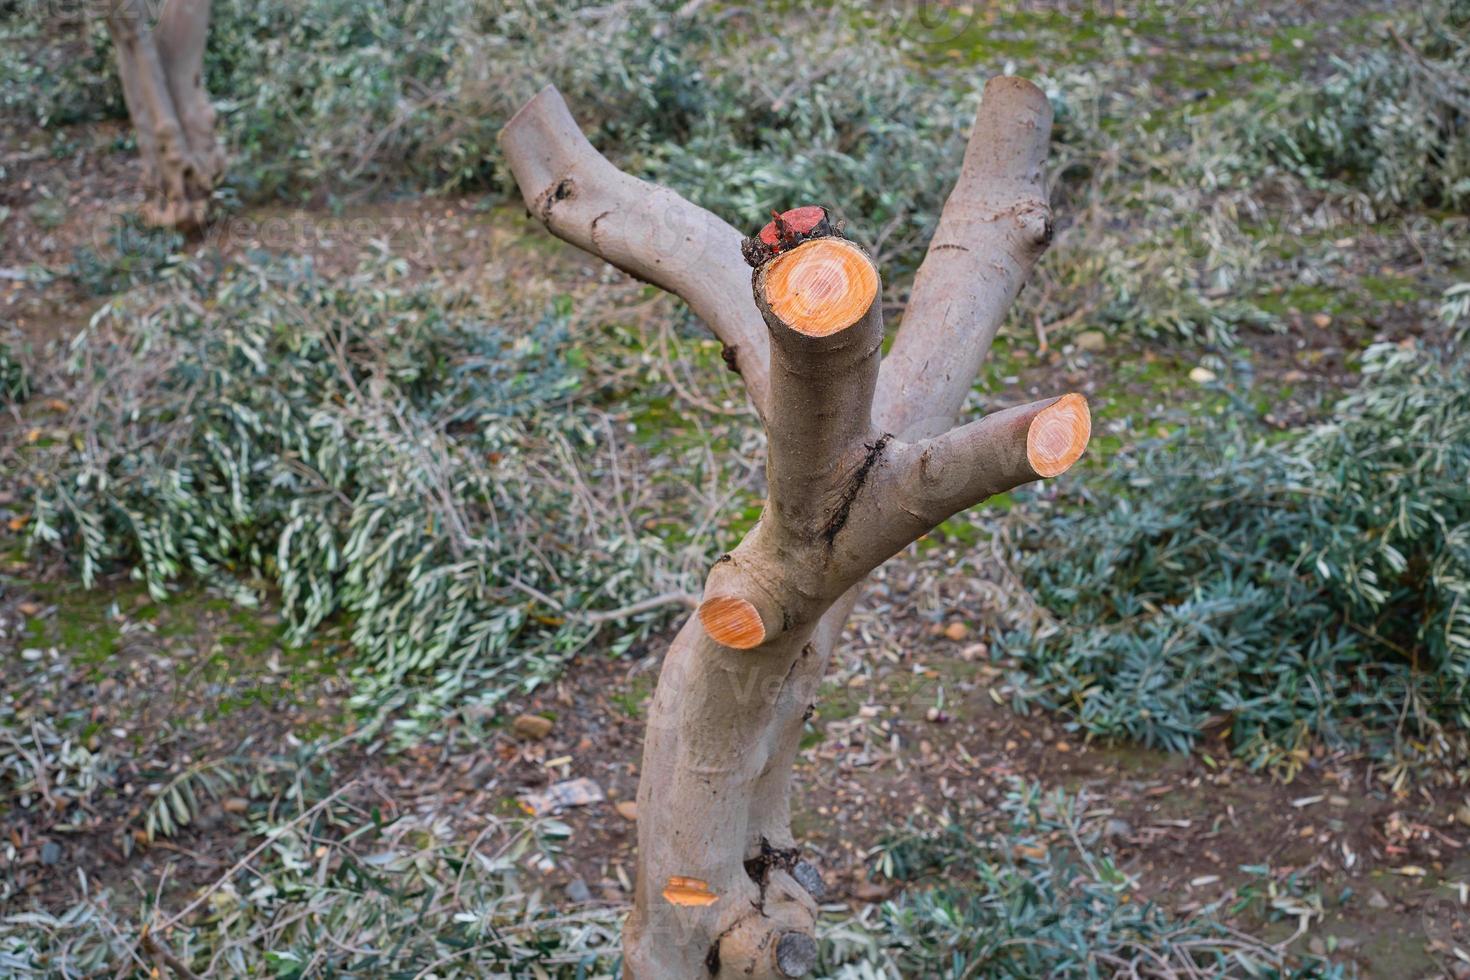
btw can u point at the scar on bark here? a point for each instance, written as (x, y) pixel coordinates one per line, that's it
(564, 189)
(730, 353)
(853, 488)
(759, 867)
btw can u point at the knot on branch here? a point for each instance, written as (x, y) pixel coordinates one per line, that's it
(773, 941)
(1033, 217)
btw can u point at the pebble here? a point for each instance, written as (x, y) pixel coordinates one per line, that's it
(50, 852)
(532, 726)
(578, 891)
(1092, 341)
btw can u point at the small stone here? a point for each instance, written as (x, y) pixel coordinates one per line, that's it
(1092, 341)
(1118, 828)
(578, 892)
(808, 877)
(1321, 321)
(627, 809)
(50, 852)
(1317, 946)
(1201, 375)
(975, 651)
(957, 631)
(29, 608)
(532, 726)
(1377, 900)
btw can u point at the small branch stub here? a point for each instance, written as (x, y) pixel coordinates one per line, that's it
(785, 231)
(796, 954)
(1058, 435)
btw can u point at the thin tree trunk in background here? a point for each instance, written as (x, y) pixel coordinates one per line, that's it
(864, 458)
(162, 70)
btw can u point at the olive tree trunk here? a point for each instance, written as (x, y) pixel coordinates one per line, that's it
(864, 458)
(161, 65)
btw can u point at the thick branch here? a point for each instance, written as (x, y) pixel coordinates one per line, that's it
(940, 477)
(648, 231)
(820, 301)
(994, 227)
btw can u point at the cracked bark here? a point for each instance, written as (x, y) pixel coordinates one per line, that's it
(864, 458)
(161, 66)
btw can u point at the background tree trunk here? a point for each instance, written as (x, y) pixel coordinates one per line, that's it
(162, 71)
(863, 460)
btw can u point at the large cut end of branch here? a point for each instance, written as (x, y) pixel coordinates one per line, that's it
(821, 287)
(1058, 435)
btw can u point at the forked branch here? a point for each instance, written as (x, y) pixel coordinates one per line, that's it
(648, 231)
(862, 460)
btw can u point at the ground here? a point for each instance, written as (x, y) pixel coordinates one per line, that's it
(914, 726)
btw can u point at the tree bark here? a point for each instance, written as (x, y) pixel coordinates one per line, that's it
(162, 72)
(863, 460)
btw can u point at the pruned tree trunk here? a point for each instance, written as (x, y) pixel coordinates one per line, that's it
(162, 71)
(864, 458)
